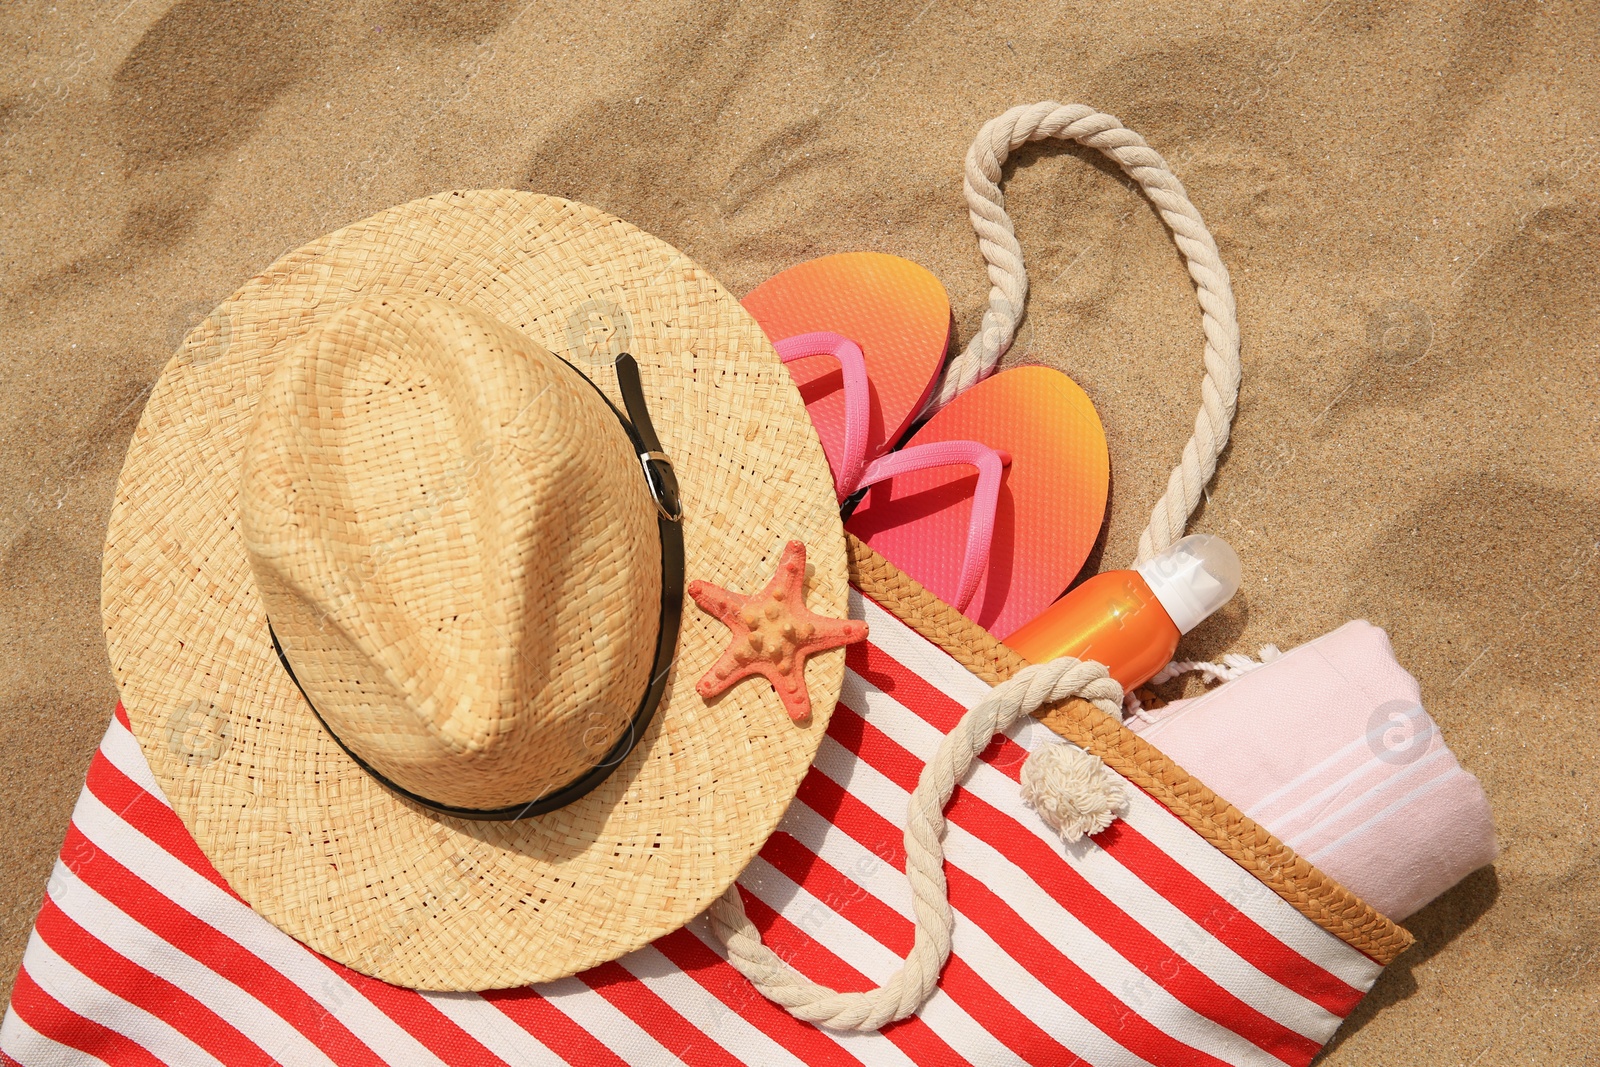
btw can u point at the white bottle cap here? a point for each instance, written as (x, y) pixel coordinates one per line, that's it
(1193, 578)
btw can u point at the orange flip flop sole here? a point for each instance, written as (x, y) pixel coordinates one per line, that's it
(1052, 498)
(894, 309)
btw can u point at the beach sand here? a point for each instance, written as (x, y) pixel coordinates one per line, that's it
(1406, 196)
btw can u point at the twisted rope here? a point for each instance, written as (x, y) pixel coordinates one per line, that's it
(1028, 690)
(1008, 292)
(1233, 665)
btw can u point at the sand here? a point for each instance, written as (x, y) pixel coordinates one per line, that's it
(1406, 197)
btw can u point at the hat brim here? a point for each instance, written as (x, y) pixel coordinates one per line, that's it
(305, 836)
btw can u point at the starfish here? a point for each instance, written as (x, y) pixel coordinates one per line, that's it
(773, 633)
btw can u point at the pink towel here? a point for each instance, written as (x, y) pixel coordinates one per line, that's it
(1329, 748)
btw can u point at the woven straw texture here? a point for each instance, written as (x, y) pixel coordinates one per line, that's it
(498, 652)
(300, 832)
(1312, 893)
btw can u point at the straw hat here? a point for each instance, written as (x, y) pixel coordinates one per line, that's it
(393, 589)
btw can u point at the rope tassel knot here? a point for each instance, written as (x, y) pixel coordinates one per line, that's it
(1074, 793)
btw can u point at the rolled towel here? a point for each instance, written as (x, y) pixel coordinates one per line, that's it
(1329, 748)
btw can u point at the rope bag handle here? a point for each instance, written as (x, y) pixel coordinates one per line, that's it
(1008, 293)
(1036, 686)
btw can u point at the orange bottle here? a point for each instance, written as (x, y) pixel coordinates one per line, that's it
(1131, 620)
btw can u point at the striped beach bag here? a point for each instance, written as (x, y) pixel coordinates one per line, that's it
(1182, 933)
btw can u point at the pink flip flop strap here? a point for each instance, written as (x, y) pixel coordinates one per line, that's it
(857, 399)
(850, 478)
(990, 462)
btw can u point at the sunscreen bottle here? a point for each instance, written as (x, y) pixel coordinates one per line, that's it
(1131, 620)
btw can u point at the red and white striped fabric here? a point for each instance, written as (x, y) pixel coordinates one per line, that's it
(1143, 946)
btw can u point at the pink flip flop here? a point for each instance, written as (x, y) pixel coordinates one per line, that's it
(864, 334)
(895, 316)
(855, 473)
(1000, 549)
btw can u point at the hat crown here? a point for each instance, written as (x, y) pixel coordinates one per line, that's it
(314, 843)
(455, 547)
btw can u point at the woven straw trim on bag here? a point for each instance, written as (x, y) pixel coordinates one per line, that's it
(1312, 893)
